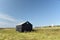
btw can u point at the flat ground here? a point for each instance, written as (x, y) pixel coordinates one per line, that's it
(39, 34)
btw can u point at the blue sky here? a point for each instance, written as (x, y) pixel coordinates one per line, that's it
(38, 12)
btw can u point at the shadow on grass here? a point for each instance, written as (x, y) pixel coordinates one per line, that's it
(27, 31)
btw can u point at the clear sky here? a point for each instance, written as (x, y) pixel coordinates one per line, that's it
(38, 12)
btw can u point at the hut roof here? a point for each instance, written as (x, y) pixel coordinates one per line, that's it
(22, 23)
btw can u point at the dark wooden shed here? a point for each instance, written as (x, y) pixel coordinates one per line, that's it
(25, 26)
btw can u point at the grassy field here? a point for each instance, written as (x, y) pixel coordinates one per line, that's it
(39, 34)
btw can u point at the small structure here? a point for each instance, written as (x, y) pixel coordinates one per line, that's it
(52, 25)
(25, 26)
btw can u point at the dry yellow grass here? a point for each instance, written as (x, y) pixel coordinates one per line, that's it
(39, 34)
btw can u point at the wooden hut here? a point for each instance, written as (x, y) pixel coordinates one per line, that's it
(25, 26)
